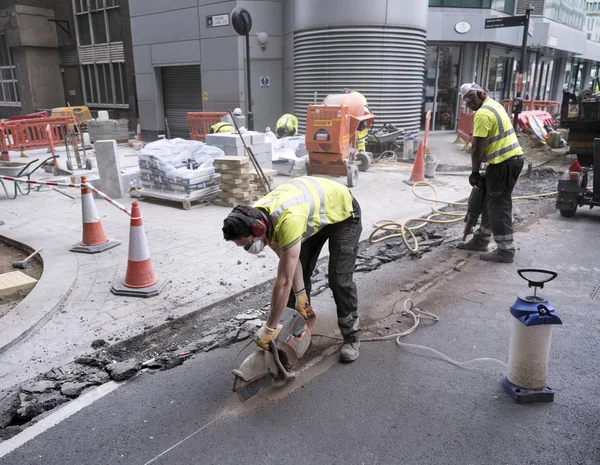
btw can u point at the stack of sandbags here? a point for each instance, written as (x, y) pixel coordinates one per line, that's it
(234, 177)
(232, 145)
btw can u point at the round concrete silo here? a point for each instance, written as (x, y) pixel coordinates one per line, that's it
(376, 47)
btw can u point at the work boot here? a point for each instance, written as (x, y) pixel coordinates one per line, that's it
(473, 244)
(349, 351)
(498, 255)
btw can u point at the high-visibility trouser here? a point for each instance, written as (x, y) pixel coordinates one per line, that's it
(361, 137)
(496, 214)
(343, 248)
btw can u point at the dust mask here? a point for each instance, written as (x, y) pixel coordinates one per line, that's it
(256, 247)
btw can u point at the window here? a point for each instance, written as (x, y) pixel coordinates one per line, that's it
(9, 87)
(105, 84)
(93, 16)
(100, 50)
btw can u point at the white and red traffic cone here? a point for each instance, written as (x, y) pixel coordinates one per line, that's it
(93, 239)
(140, 280)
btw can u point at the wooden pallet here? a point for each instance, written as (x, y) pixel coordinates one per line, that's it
(185, 199)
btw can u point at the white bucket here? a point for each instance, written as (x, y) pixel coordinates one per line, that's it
(103, 115)
(408, 149)
(430, 167)
(86, 140)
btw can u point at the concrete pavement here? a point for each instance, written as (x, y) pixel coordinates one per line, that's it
(72, 305)
(392, 405)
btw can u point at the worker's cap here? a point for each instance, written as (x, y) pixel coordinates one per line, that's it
(467, 88)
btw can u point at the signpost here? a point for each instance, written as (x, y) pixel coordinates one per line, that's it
(514, 21)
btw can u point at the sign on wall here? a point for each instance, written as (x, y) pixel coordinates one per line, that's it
(217, 20)
(265, 82)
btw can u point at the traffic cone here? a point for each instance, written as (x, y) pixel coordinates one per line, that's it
(94, 240)
(139, 131)
(418, 171)
(140, 280)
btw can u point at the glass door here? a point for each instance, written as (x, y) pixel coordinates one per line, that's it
(440, 93)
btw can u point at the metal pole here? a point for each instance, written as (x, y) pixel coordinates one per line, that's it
(522, 70)
(546, 81)
(539, 84)
(250, 115)
(531, 85)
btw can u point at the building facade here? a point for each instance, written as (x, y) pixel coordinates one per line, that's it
(560, 54)
(55, 53)
(189, 58)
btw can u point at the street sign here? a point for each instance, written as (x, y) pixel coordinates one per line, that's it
(265, 82)
(509, 21)
(217, 20)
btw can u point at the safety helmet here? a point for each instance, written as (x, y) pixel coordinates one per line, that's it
(237, 112)
(467, 88)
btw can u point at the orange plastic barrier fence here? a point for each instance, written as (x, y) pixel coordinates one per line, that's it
(551, 106)
(464, 128)
(32, 133)
(200, 123)
(39, 114)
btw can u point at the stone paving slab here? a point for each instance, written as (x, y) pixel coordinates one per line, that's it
(72, 304)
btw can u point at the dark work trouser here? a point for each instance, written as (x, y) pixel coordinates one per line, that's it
(343, 247)
(496, 215)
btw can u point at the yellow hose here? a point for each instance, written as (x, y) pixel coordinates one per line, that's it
(401, 229)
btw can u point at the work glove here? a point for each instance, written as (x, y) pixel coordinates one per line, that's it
(476, 180)
(303, 305)
(264, 335)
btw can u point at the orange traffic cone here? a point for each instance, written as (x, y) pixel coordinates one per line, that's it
(418, 171)
(94, 240)
(140, 280)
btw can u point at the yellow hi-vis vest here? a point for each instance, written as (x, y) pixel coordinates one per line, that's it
(493, 123)
(221, 127)
(302, 207)
(289, 123)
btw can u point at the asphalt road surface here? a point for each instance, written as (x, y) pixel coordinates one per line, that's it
(393, 405)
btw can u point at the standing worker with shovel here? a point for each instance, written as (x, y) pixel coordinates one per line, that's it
(495, 143)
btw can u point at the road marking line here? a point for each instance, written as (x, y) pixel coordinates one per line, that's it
(55, 418)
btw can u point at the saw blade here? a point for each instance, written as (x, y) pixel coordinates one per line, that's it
(246, 390)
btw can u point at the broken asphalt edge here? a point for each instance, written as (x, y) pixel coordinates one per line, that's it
(28, 316)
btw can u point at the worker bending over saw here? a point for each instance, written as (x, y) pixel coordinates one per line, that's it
(495, 143)
(287, 126)
(295, 220)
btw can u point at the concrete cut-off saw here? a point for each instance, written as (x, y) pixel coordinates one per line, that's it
(265, 367)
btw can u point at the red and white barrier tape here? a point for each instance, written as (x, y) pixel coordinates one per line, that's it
(63, 184)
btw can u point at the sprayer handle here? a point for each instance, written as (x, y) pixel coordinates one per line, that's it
(539, 284)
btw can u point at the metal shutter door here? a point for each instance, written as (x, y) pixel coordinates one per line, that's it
(182, 92)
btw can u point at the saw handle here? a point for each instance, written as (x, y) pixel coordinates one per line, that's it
(285, 375)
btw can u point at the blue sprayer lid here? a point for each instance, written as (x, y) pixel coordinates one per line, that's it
(533, 310)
